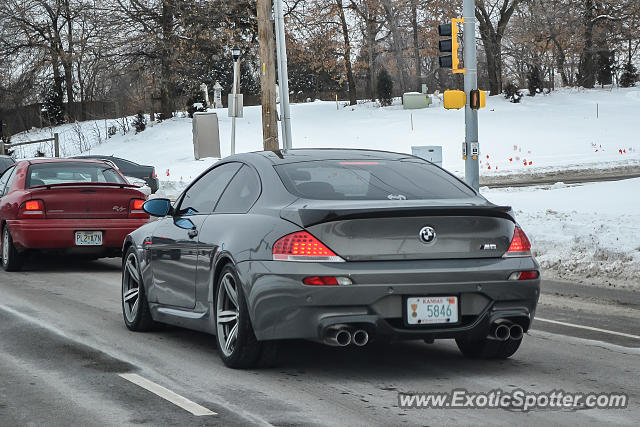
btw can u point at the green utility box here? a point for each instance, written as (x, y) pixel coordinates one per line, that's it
(415, 100)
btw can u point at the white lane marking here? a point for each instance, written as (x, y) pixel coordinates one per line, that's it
(168, 395)
(573, 325)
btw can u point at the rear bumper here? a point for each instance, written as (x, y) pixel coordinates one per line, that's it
(281, 307)
(60, 233)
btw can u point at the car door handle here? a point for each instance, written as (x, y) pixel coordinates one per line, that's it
(192, 233)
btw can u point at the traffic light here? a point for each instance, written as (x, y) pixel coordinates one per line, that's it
(450, 45)
(477, 99)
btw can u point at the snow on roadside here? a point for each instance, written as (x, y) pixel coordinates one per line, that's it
(589, 233)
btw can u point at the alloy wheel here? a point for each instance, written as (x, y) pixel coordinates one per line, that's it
(227, 314)
(131, 288)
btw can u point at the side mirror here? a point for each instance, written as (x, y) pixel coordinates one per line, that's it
(157, 207)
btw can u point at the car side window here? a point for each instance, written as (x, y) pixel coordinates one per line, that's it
(4, 180)
(241, 194)
(203, 194)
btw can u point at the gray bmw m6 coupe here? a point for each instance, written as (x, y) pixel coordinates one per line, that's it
(336, 246)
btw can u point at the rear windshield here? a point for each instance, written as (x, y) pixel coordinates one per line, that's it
(370, 180)
(71, 172)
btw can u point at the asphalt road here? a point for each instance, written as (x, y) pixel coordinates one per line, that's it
(63, 347)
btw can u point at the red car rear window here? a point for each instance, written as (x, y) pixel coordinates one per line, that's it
(71, 172)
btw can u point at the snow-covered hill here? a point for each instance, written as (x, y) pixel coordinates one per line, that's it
(560, 130)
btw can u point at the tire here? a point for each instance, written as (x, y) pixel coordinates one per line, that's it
(135, 308)
(237, 344)
(11, 258)
(488, 348)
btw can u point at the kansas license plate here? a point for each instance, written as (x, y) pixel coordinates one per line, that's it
(432, 310)
(88, 238)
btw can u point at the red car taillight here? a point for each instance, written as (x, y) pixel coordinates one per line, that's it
(302, 246)
(327, 281)
(520, 244)
(135, 209)
(524, 275)
(32, 209)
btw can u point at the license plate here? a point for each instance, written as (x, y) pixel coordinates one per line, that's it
(88, 238)
(432, 310)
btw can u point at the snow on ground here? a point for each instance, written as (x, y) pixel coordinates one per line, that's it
(551, 132)
(590, 230)
(589, 233)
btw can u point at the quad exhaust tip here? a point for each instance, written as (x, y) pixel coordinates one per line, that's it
(516, 332)
(339, 337)
(360, 337)
(343, 335)
(503, 330)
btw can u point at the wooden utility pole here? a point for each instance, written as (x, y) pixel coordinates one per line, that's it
(267, 42)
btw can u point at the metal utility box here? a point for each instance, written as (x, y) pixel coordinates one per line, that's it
(415, 100)
(206, 135)
(235, 105)
(432, 153)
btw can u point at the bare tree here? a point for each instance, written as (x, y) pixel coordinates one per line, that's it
(493, 17)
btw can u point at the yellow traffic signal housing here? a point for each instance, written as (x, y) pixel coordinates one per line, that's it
(450, 45)
(454, 99)
(455, 46)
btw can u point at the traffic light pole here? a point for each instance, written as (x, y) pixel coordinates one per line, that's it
(471, 167)
(283, 74)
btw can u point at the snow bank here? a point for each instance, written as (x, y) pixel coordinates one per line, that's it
(589, 233)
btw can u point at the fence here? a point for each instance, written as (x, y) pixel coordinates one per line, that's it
(56, 144)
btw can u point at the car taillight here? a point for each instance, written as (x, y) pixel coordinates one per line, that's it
(520, 244)
(135, 209)
(153, 173)
(302, 246)
(327, 281)
(32, 209)
(524, 275)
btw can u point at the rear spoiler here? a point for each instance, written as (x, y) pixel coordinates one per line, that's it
(309, 216)
(82, 184)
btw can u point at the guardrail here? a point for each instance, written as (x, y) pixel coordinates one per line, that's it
(55, 139)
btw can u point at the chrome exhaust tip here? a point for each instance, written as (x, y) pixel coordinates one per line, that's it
(516, 332)
(360, 337)
(500, 331)
(339, 337)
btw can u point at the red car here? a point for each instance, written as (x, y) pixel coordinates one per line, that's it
(78, 206)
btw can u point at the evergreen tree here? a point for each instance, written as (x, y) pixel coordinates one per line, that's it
(629, 75)
(140, 122)
(53, 108)
(385, 88)
(605, 66)
(197, 97)
(534, 81)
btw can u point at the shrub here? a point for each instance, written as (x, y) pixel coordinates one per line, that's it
(385, 88)
(629, 75)
(196, 103)
(534, 82)
(140, 122)
(512, 92)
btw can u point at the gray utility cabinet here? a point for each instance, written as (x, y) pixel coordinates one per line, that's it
(206, 135)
